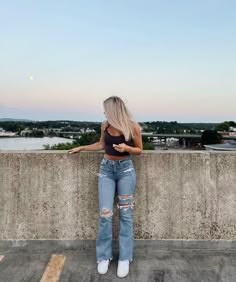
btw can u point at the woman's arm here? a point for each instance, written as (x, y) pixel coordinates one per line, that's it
(138, 144)
(92, 147)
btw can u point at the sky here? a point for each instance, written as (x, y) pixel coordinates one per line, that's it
(168, 60)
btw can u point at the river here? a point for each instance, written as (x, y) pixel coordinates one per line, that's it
(30, 143)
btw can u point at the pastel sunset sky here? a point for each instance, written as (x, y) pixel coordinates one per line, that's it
(169, 60)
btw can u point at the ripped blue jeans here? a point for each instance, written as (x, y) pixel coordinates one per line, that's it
(120, 176)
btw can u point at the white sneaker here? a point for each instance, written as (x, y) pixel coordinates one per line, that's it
(103, 266)
(123, 268)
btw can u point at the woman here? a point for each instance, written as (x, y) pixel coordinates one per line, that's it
(120, 137)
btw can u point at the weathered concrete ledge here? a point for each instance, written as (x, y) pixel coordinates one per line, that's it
(179, 195)
(38, 245)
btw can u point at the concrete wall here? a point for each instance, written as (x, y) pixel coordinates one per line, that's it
(179, 195)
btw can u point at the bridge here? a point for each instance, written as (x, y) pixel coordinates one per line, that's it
(185, 140)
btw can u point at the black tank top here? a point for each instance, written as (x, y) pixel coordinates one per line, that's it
(109, 140)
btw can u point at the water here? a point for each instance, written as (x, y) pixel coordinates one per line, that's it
(30, 143)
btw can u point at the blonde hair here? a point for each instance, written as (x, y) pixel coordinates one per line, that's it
(118, 116)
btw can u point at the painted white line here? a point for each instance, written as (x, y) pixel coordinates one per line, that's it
(53, 269)
(1, 258)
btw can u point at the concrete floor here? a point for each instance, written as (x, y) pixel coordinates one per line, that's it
(154, 260)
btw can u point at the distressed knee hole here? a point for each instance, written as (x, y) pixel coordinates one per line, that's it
(125, 206)
(125, 197)
(106, 213)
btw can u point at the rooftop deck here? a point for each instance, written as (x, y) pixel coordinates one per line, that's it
(184, 216)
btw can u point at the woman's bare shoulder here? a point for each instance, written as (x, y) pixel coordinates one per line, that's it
(135, 126)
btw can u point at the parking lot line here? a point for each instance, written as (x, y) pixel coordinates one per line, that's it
(53, 269)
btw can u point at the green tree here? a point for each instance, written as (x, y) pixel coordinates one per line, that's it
(88, 138)
(85, 139)
(210, 137)
(147, 145)
(224, 126)
(232, 123)
(60, 146)
(36, 133)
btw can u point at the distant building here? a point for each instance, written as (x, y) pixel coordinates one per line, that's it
(25, 132)
(87, 130)
(4, 133)
(229, 133)
(56, 130)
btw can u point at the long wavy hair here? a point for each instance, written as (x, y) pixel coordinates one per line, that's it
(118, 116)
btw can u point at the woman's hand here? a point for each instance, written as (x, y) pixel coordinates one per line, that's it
(74, 150)
(120, 147)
